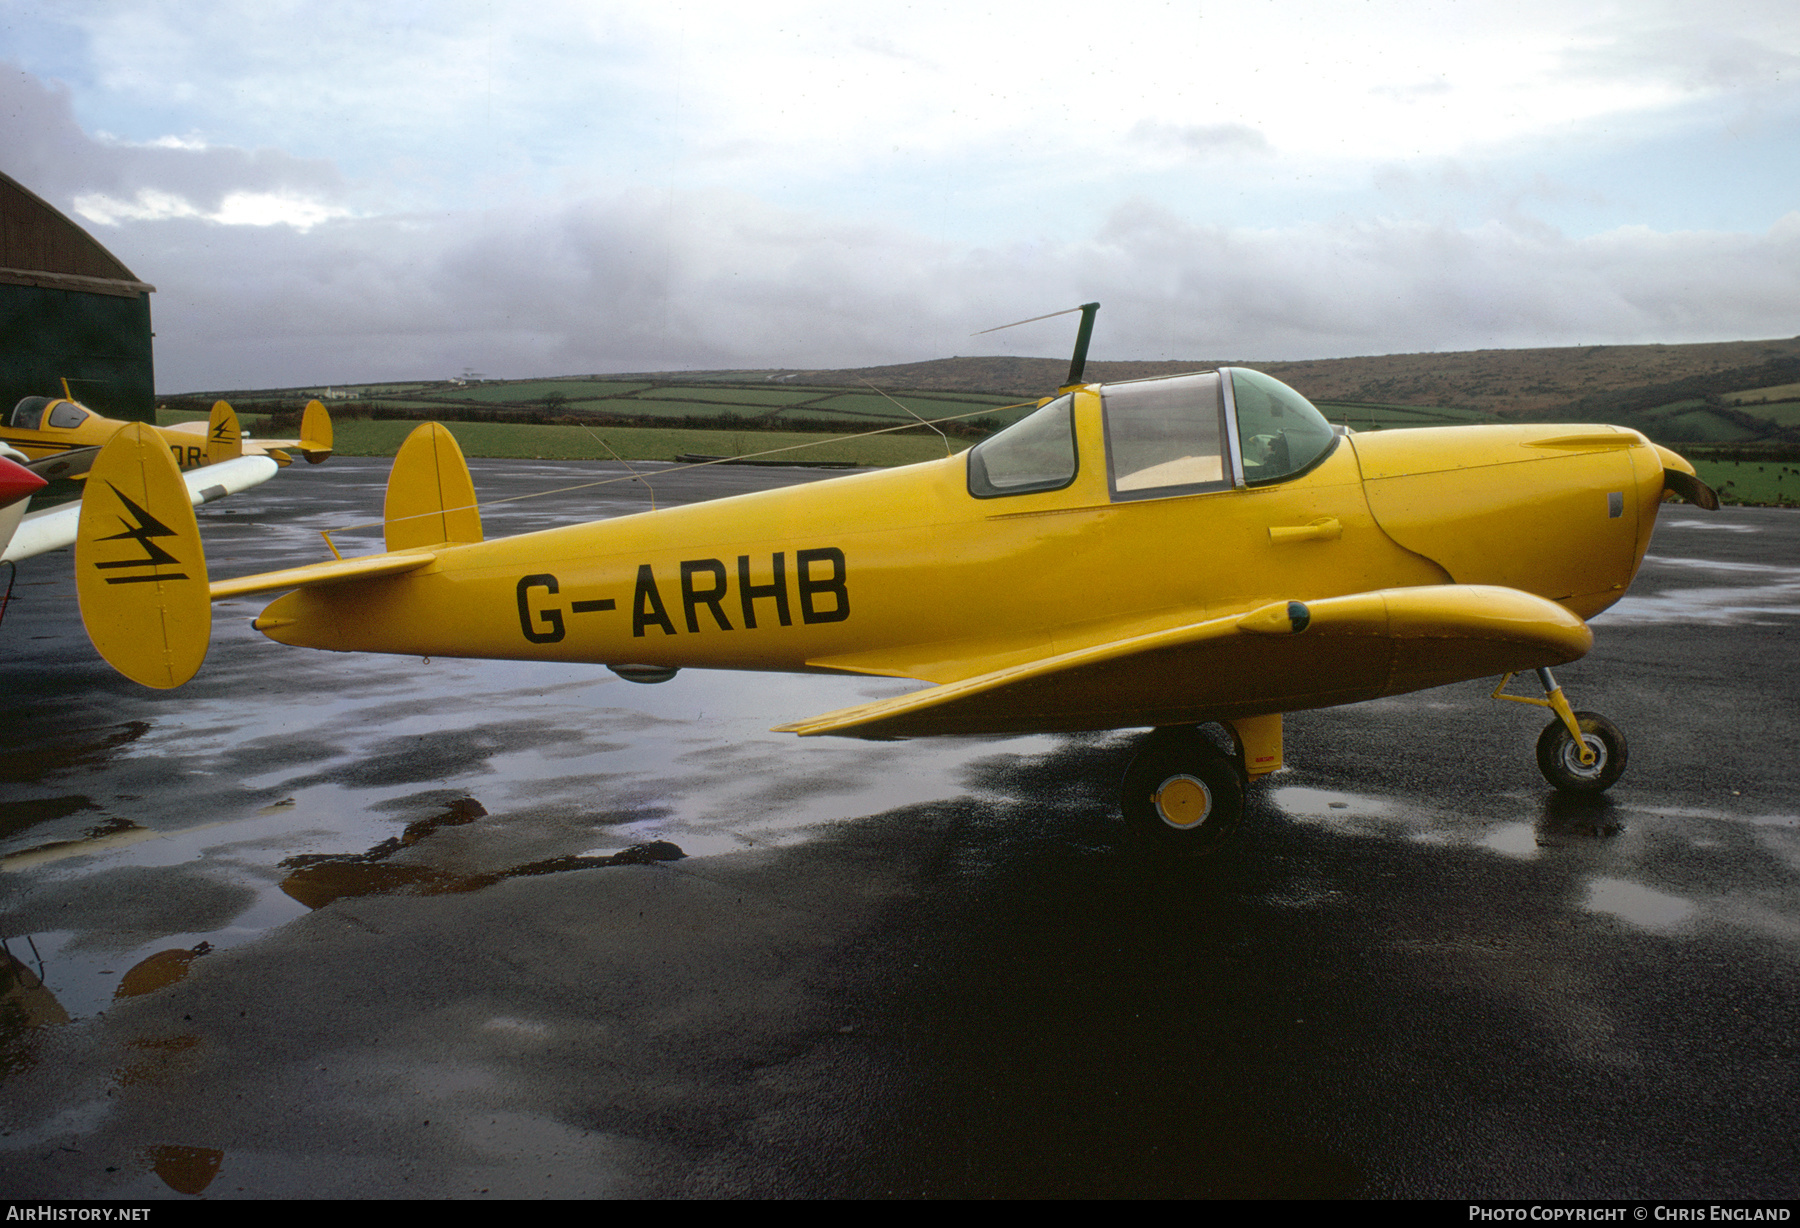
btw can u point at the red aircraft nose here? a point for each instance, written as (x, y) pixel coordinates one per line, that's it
(17, 482)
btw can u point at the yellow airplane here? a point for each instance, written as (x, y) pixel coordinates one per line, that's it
(58, 438)
(61, 436)
(1171, 552)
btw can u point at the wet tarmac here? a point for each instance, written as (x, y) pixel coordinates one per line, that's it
(325, 925)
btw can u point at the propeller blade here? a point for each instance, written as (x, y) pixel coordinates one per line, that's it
(1691, 488)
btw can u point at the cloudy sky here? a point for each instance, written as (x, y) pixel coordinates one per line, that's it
(342, 192)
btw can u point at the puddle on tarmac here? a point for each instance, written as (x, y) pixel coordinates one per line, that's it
(338, 787)
(1307, 803)
(1636, 904)
(1724, 526)
(1555, 822)
(1386, 818)
(1773, 596)
(1512, 840)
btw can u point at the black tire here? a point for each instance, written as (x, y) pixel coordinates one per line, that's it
(1561, 764)
(1181, 795)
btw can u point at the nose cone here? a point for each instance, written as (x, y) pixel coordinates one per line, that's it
(17, 482)
(1558, 511)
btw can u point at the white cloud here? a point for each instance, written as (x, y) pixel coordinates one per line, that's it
(648, 281)
(696, 92)
(331, 191)
(235, 209)
(149, 206)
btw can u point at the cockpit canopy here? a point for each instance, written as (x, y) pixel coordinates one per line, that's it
(28, 414)
(1175, 435)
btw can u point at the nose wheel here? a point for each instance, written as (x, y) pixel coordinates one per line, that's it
(1588, 763)
(1182, 795)
(1561, 762)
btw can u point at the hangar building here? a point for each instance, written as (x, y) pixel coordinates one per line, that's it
(69, 310)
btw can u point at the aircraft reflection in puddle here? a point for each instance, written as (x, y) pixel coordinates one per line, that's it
(186, 1170)
(26, 1005)
(319, 878)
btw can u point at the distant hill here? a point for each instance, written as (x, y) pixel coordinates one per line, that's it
(1510, 382)
(1733, 394)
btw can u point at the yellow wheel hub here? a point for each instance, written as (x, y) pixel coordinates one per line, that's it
(1183, 802)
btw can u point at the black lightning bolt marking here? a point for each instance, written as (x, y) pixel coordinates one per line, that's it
(147, 527)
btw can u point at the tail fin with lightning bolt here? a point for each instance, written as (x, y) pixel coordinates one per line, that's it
(224, 437)
(140, 572)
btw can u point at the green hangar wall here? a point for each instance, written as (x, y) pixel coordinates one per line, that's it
(69, 310)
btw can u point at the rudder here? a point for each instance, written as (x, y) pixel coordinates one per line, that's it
(140, 572)
(315, 433)
(430, 495)
(224, 437)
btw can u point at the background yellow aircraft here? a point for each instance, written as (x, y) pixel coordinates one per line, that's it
(1169, 553)
(62, 436)
(67, 437)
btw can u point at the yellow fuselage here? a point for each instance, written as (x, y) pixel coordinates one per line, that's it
(904, 573)
(88, 429)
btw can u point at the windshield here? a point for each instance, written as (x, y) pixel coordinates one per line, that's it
(1279, 431)
(1034, 453)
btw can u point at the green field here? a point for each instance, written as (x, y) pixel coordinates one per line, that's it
(501, 439)
(1785, 413)
(874, 405)
(1777, 392)
(365, 437)
(751, 398)
(662, 399)
(1753, 482)
(254, 423)
(530, 392)
(1697, 426)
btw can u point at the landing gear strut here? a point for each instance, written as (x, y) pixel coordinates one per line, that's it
(1578, 752)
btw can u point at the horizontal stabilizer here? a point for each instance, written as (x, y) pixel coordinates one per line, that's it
(1282, 657)
(71, 464)
(337, 571)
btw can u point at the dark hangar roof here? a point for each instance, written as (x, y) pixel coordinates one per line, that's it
(41, 247)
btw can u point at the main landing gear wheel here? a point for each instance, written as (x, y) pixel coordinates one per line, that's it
(1560, 761)
(1182, 795)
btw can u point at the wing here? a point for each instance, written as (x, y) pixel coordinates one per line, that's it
(53, 528)
(73, 463)
(1282, 657)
